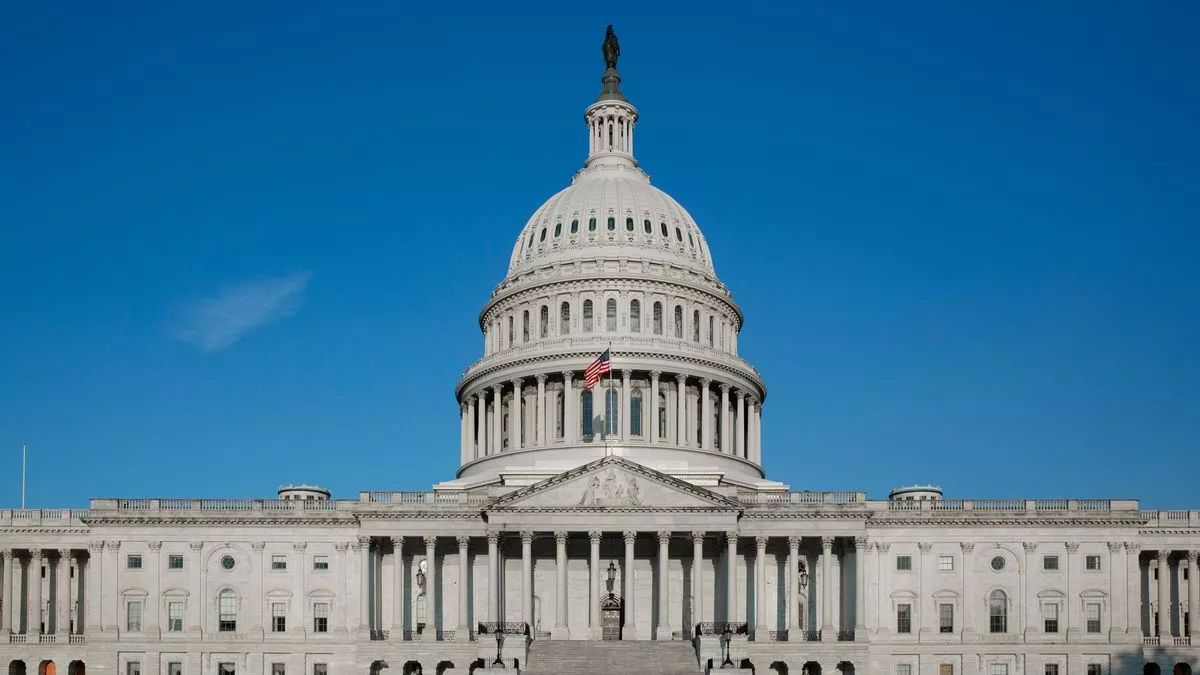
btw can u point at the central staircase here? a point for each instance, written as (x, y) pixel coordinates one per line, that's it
(585, 657)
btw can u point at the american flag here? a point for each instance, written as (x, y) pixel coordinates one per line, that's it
(600, 366)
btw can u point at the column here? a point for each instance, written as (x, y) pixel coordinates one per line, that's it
(33, 591)
(1116, 583)
(760, 589)
(514, 416)
(570, 408)
(527, 579)
(560, 631)
(924, 602)
(108, 592)
(697, 579)
(626, 404)
(706, 413)
(663, 631)
(596, 629)
(397, 589)
(739, 433)
(755, 421)
(62, 592)
(481, 445)
(1164, 595)
(363, 548)
(493, 580)
(828, 597)
(194, 610)
(751, 404)
(681, 409)
(541, 411)
(629, 632)
(731, 540)
(341, 609)
(464, 436)
(462, 632)
(296, 623)
(860, 588)
(1072, 611)
(1193, 593)
(472, 448)
(497, 419)
(726, 441)
(6, 593)
(153, 623)
(1133, 592)
(793, 589)
(651, 410)
(433, 599)
(967, 549)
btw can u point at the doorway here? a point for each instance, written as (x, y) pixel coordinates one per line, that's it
(612, 617)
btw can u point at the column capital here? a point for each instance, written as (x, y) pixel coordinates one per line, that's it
(664, 536)
(196, 546)
(463, 407)
(397, 543)
(1030, 546)
(526, 537)
(681, 379)
(361, 543)
(1133, 546)
(341, 546)
(7, 552)
(698, 536)
(1155, 556)
(92, 546)
(827, 544)
(36, 554)
(630, 536)
(568, 375)
(794, 542)
(560, 537)
(967, 546)
(152, 545)
(626, 374)
(299, 546)
(706, 382)
(497, 388)
(655, 374)
(725, 387)
(481, 395)
(761, 541)
(595, 536)
(430, 540)
(112, 545)
(731, 537)
(882, 546)
(258, 546)
(1072, 547)
(541, 378)
(1114, 547)
(493, 538)
(924, 547)
(463, 540)
(740, 394)
(861, 543)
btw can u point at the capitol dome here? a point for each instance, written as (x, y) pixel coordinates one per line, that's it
(610, 265)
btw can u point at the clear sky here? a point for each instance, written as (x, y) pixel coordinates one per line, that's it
(243, 244)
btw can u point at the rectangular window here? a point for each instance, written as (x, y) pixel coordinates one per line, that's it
(278, 669)
(320, 562)
(946, 669)
(133, 616)
(320, 669)
(174, 668)
(1050, 618)
(945, 563)
(227, 612)
(904, 618)
(946, 617)
(1091, 563)
(999, 669)
(903, 669)
(1051, 669)
(133, 668)
(1095, 669)
(1092, 613)
(321, 617)
(904, 563)
(226, 669)
(278, 617)
(1050, 563)
(279, 562)
(133, 562)
(175, 616)
(175, 561)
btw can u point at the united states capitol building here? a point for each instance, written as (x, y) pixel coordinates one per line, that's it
(625, 528)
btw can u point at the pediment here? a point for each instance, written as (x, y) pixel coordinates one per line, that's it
(612, 484)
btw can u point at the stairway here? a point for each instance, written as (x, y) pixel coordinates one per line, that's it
(582, 657)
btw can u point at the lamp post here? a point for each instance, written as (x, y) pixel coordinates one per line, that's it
(726, 639)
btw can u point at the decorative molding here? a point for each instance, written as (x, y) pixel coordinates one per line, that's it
(924, 546)
(827, 543)
(1072, 547)
(526, 537)
(463, 541)
(664, 537)
(861, 543)
(595, 536)
(1115, 546)
(1030, 546)
(967, 546)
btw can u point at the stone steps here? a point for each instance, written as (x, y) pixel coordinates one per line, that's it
(581, 657)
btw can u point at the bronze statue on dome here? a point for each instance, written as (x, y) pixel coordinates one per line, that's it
(611, 48)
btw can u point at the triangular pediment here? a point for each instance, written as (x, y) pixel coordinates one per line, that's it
(612, 484)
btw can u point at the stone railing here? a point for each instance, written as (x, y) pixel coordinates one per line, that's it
(426, 499)
(752, 498)
(222, 505)
(1039, 506)
(1171, 518)
(41, 517)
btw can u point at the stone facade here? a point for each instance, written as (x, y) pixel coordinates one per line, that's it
(637, 509)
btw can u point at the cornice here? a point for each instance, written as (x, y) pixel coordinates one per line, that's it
(213, 518)
(993, 521)
(473, 514)
(77, 529)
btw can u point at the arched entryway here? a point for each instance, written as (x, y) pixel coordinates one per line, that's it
(76, 668)
(846, 668)
(612, 617)
(811, 668)
(1182, 669)
(377, 667)
(779, 668)
(47, 667)
(16, 667)
(1151, 669)
(412, 668)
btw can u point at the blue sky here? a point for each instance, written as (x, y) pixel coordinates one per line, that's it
(244, 244)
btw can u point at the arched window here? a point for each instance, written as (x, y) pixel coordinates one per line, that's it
(585, 407)
(662, 416)
(710, 331)
(635, 316)
(587, 316)
(635, 413)
(227, 611)
(557, 229)
(574, 226)
(612, 223)
(544, 323)
(690, 242)
(543, 236)
(510, 331)
(564, 320)
(678, 234)
(525, 327)
(658, 318)
(611, 402)
(649, 228)
(696, 326)
(679, 321)
(529, 244)
(591, 224)
(610, 315)
(664, 229)
(998, 612)
(629, 224)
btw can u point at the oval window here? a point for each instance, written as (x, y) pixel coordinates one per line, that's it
(664, 229)
(574, 226)
(998, 563)
(612, 223)
(591, 224)
(558, 229)
(678, 234)
(649, 228)
(629, 224)
(228, 562)
(543, 236)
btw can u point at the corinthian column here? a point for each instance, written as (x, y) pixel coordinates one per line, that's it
(760, 588)
(560, 587)
(726, 441)
(1164, 594)
(33, 580)
(464, 436)
(663, 631)
(629, 632)
(706, 424)
(397, 589)
(493, 580)
(595, 628)
(828, 595)
(497, 419)
(527, 579)
(860, 588)
(652, 409)
(1133, 586)
(462, 631)
(514, 414)
(62, 591)
(697, 577)
(731, 540)
(681, 410)
(793, 585)
(481, 449)
(542, 439)
(6, 592)
(363, 548)
(740, 432)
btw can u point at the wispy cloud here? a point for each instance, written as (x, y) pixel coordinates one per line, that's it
(219, 321)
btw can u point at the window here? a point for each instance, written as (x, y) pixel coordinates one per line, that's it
(946, 669)
(227, 612)
(510, 331)
(658, 328)
(662, 416)
(612, 223)
(278, 669)
(629, 224)
(635, 316)
(1091, 563)
(696, 326)
(133, 616)
(174, 668)
(610, 315)
(591, 224)
(635, 413)
(574, 226)
(1050, 618)
(678, 234)
(175, 562)
(946, 563)
(320, 562)
(529, 242)
(710, 331)
(1051, 669)
(542, 236)
(585, 406)
(904, 563)
(544, 322)
(1095, 669)
(175, 616)
(998, 563)
(998, 612)
(1092, 614)
(946, 618)
(278, 617)
(999, 669)
(133, 668)
(226, 669)
(133, 562)
(320, 669)
(904, 618)
(227, 562)
(649, 228)
(1050, 563)
(587, 316)
(564, 319)
(679, 321)
(321, 617)
(279, 562)
(525, 326)
(557, 230)
(903, 669)
(611, 401)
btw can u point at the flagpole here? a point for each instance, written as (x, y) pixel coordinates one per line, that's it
(607, 447)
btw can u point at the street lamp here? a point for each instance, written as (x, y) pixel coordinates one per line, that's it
(612, 575)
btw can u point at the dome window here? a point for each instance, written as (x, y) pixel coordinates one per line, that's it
(543, 236)
(612, 223)
(635, 316)
(664, 229)
(678, 234)
(649, 228)
(574, 226)
(564, 327)
(690, 242)
(658, 318)
(529, 244)
(587, 316)
(610, 316)
(525, 327)
(678, 321)
(557, 230)
(544, 323)
(696, 326)
(591, 224)
(629, 224)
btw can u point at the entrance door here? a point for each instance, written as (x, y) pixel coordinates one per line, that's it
(610, 620)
